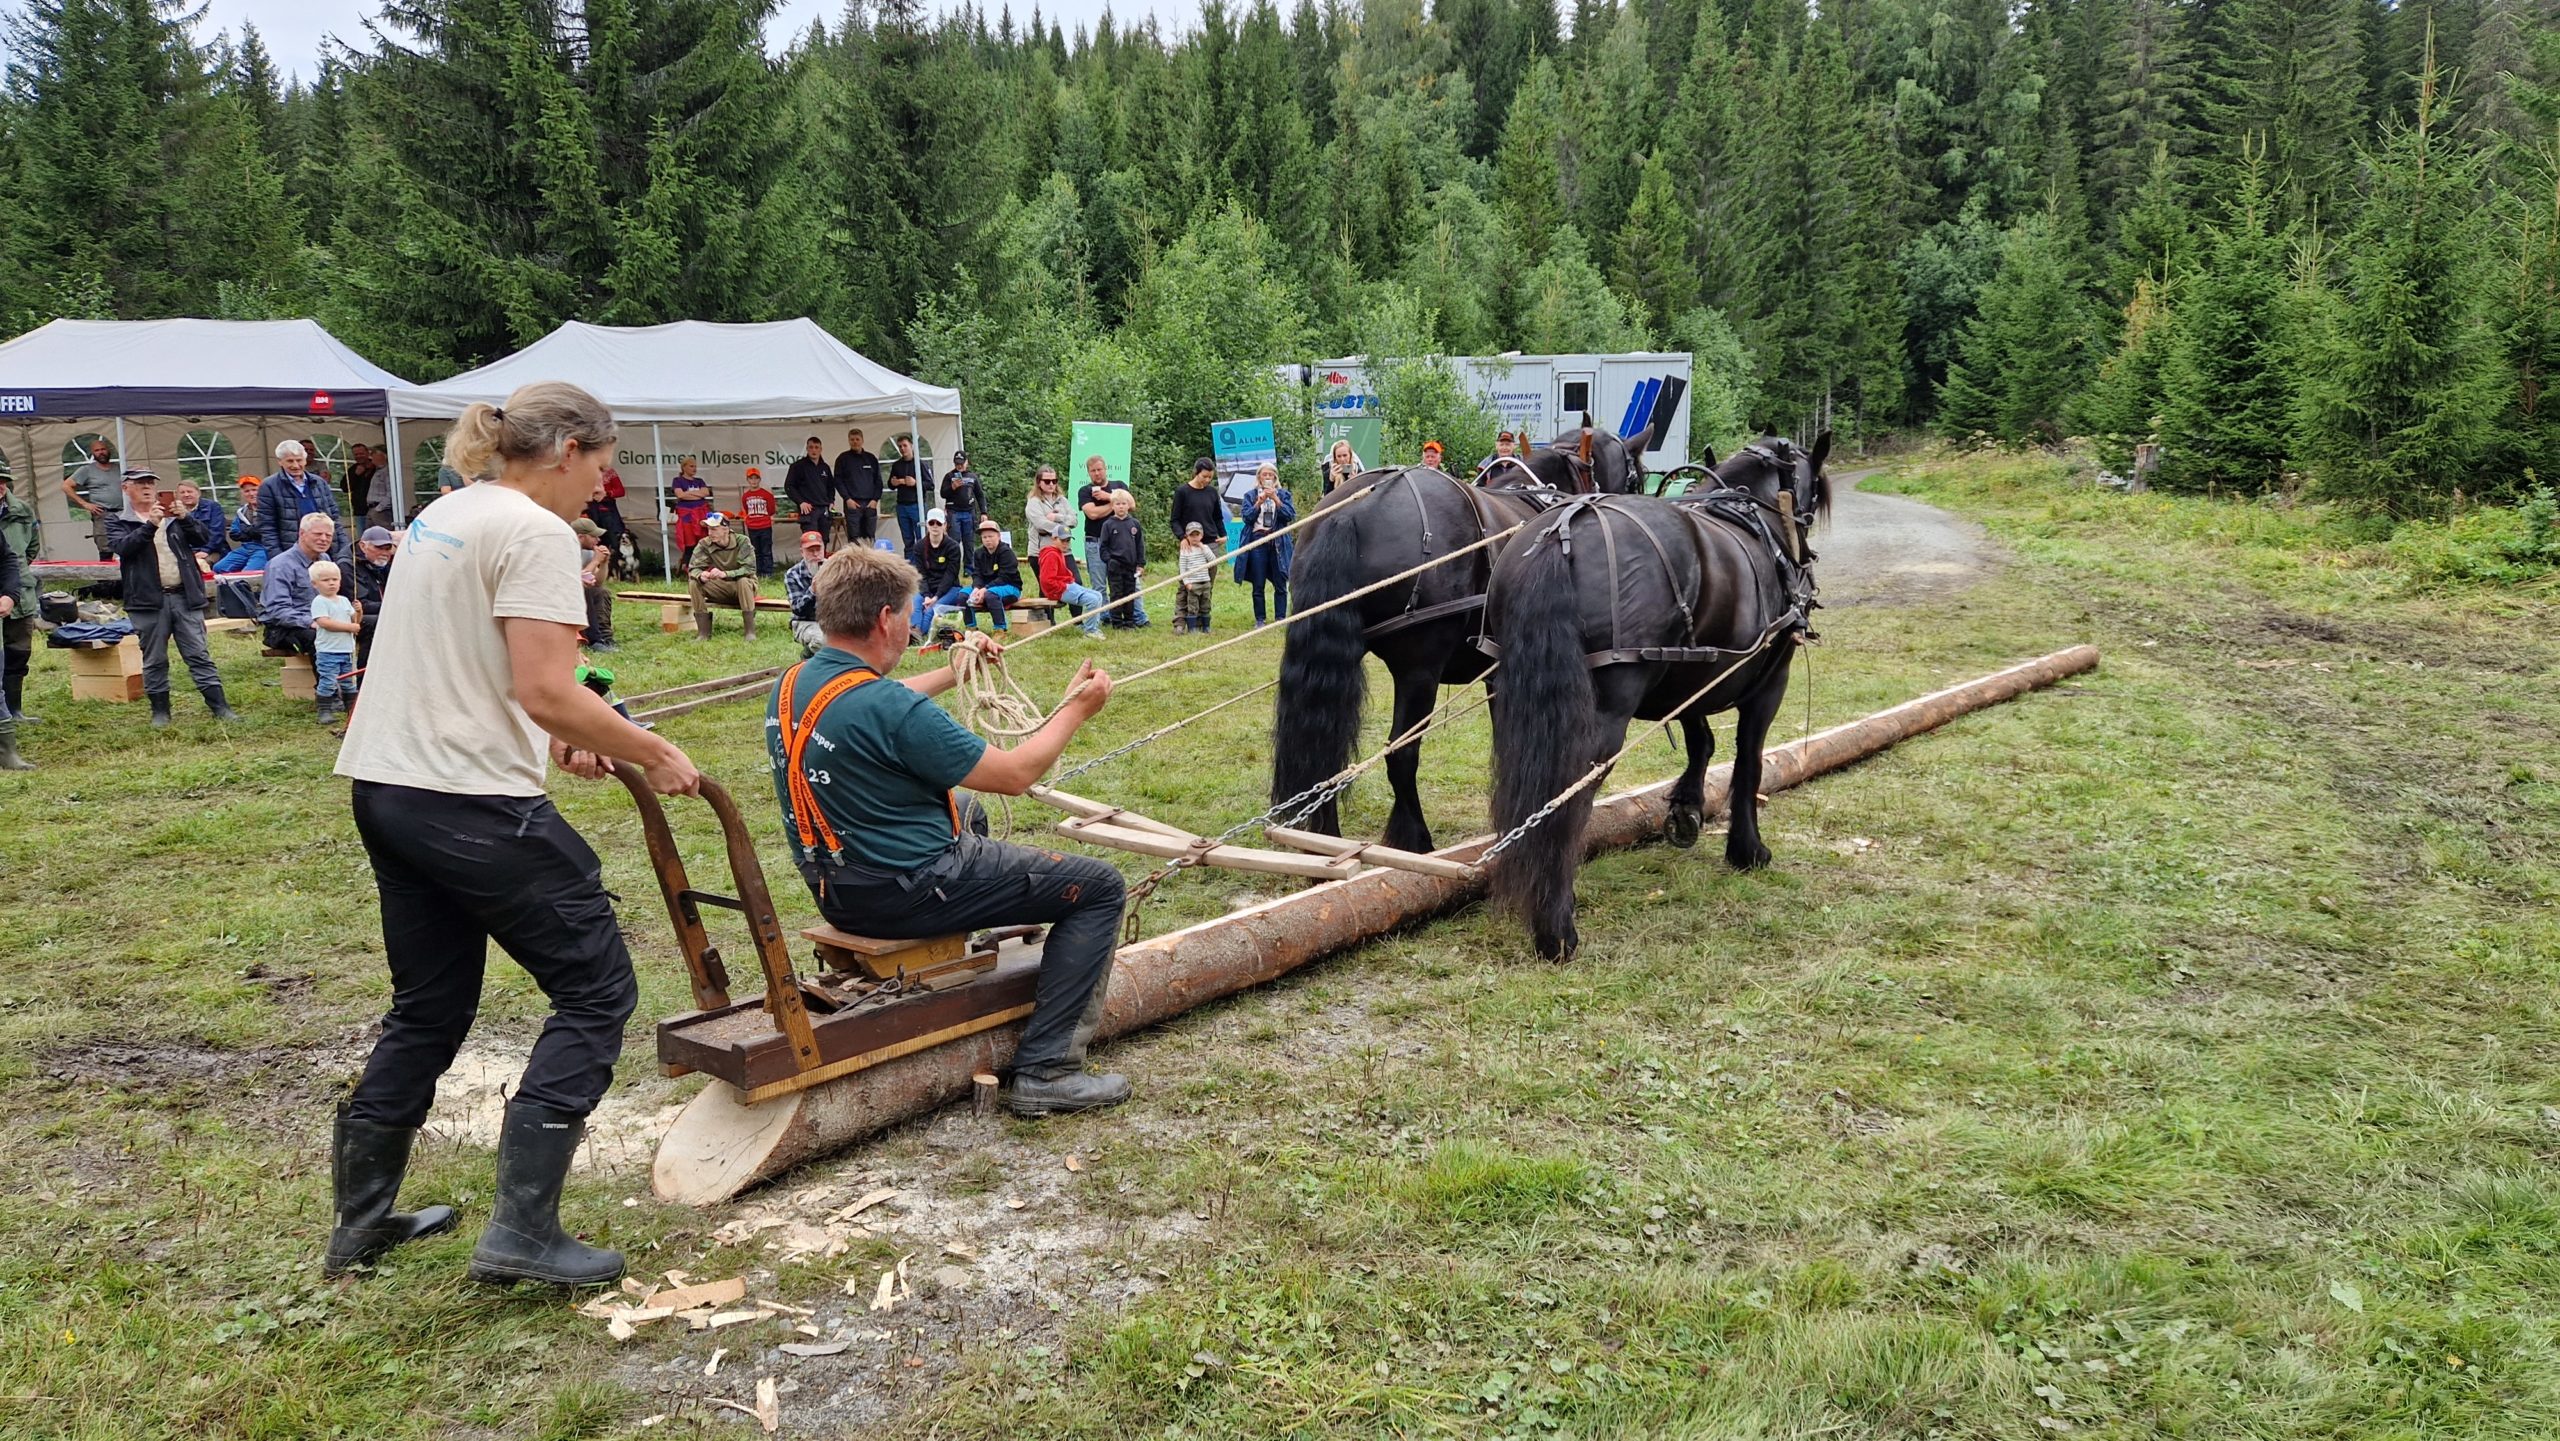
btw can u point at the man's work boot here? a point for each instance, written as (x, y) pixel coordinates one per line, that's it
(523, 1241)
(702, 625)
(160, 711)
(221, 708)
(365, 1170)
(1074, 1091)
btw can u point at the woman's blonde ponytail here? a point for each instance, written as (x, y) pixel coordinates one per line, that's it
(536, 424)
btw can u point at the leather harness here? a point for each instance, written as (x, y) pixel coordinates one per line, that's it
(1737, 509)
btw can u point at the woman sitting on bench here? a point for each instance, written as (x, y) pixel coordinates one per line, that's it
(865, 772)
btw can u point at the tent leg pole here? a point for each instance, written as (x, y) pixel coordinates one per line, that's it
(666, 536)
(399, 491)
(124, 457)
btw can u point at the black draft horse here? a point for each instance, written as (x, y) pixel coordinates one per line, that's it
(1618, 609)
(1384, 523)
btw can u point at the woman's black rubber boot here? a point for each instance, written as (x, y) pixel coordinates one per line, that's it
(367, 1162)
(523, 1241)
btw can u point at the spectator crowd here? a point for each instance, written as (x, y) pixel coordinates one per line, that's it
(309, 562)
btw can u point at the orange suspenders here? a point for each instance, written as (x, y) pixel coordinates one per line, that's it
(807, 817)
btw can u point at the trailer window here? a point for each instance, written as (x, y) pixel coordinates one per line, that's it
(1577, 397)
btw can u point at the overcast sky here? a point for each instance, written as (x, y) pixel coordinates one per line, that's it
(295, 29)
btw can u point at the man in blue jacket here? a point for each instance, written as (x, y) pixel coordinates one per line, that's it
(294, 491)
(155, 545)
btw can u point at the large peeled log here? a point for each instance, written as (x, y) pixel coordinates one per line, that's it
(719, 1147)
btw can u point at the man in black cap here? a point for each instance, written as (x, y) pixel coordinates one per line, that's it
(963, 500)
(372, 569)
(1197, 503)
(155, 546)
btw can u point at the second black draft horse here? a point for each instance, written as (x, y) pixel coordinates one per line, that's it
(1615, 609)
(1384, 523)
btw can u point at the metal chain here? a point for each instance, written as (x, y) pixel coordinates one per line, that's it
(1160, 732)
(1295, 808)
(1556, 802)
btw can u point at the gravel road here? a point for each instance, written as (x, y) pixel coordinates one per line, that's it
(1891, 550)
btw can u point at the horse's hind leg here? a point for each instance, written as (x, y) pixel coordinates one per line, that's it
(1689, 793)
(1742, 848)
(1417, 691)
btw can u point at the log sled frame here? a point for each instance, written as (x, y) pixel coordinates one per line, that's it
(865, 1000)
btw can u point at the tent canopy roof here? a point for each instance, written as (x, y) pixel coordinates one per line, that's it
(187, 367)
(697, 370)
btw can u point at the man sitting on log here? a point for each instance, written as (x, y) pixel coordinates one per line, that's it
(865, 770)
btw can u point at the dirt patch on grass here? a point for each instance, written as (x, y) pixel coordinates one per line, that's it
(188, 1072)
(1002, 1245)
(471, 1108)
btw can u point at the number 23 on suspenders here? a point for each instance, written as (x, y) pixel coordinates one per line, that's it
(807, 817)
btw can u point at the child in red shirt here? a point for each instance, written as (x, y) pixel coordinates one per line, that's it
(756, 504)
(1058, 582)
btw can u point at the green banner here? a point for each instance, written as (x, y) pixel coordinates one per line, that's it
(1085, 440)
(1363, 431)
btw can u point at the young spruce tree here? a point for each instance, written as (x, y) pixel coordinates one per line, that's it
(2024, 351)
(2223, 396)
(2402, 400)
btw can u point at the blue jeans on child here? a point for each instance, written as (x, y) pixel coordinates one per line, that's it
(1086, 602)
(957, 598)
(329, 672)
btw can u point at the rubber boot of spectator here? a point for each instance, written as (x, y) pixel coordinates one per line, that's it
(523, 1240)
(214, 702)
(10, 760)
(160, 711)
(16, 685)
(324, 709)
(749, 619)
(702, 625)
(367, 1162)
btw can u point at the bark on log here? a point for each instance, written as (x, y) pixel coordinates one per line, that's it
(719, 1147)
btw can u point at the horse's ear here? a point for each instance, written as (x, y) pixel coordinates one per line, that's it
(1821, 450)
(1586, 420)
(1709, 452)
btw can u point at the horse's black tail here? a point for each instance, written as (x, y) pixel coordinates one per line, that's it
(1323, 679)
(1543, 722)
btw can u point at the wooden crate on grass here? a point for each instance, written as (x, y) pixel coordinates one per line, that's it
(106, 672)
(300, 681)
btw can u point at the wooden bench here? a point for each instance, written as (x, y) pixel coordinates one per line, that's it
(675, 611)
(933, 961)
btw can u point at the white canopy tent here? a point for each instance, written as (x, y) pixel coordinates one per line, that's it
(194, 399)
(745, 385)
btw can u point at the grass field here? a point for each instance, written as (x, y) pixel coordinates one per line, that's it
(2169, 1054)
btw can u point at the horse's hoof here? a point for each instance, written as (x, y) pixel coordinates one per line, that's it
(1686, 824)
(1756, 858)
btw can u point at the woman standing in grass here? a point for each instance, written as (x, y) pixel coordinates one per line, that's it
(474, 670)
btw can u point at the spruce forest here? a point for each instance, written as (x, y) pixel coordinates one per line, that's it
(2297, 243)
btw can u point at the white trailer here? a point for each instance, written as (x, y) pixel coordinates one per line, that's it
(1542, 396)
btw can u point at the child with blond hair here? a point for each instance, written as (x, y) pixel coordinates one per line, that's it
(336, 620)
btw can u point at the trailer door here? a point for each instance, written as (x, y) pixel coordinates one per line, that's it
(1575, 391)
